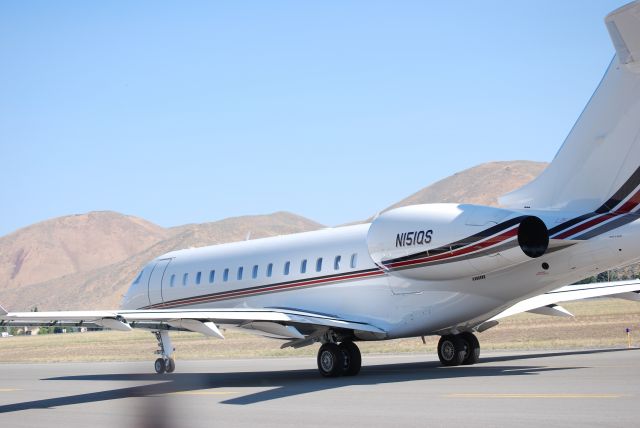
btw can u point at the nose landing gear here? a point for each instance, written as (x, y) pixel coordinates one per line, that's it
(166, 363)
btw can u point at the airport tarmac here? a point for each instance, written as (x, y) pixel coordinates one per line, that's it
(592, 388)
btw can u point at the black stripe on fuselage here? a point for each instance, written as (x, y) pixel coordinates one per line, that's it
(567, 224)
(623, 192)
(613, 224)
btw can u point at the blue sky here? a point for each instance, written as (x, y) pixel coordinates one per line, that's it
(183, 112)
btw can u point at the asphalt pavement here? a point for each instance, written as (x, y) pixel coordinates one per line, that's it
(573, 388)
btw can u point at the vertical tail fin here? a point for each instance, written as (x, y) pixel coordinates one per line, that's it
(602, 152)
(3, 311)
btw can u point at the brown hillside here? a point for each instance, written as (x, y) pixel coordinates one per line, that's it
(103, 287)
(481, 185)
(67, 245)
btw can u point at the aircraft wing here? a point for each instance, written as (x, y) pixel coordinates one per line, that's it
(547, 304)
(270, 322)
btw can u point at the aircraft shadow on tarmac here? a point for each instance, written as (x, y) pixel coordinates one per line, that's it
(286, 383)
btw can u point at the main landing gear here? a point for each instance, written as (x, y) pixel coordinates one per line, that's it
(457, 349)
(339, 360)
(166, 363)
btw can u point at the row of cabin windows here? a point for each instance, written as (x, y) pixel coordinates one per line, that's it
(269, 271)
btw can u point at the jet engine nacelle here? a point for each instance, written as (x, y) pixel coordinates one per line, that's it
(448, 241)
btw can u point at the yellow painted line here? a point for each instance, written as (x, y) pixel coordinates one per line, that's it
(533, 395)
(8, 390)
(203, 393)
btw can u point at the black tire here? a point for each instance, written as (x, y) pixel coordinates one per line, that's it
(352, 360)
(170, 365)
(160, 366)
(330, 360)
(451, 350)
(472, 355)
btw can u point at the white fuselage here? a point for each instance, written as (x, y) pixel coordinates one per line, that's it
(331, 271)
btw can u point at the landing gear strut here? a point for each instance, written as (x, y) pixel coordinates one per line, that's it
(339, 360)
(457, 349)
(166, 362)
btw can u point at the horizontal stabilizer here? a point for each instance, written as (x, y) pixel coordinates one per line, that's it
(624, 28)
(552, 310)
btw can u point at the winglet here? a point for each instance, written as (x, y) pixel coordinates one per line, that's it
(3, 311)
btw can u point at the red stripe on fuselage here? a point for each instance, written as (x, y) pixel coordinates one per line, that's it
(586, 225)
(630, 204)
(232, 294)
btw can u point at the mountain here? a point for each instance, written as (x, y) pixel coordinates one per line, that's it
(87, 261)
(481, 185)
(72, 244)
(104, 286)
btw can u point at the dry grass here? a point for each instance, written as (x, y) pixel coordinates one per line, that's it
(599, 323)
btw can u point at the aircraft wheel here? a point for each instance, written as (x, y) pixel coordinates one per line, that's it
(170, 365)
(160, 366)
(352, 358)
(451, 350)
(472, 355)
(330, 360)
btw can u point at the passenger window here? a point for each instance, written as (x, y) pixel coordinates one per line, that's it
(254, 273)
(303, 266)
(198, 278)
(319, 264)
(240, 270)
(269, 269)
(287, 266)
(354, 260)
(212, 276)
(185, 277)
(173, 280)
(225, 275)
(336, 263)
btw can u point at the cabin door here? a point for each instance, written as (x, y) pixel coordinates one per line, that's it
(156, 280)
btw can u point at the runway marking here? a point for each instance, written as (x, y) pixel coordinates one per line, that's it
(203, 393)
(533, 395)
